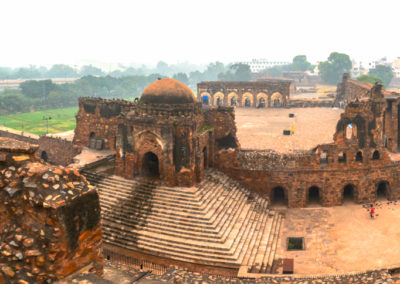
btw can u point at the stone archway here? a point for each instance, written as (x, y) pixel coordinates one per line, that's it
(150, 165)
(278, 196)
(247, 99)
(277, 99)
(349, 194)
(218, 99)
(262, 100)
(382, 191)
(314, 196)
(205, 98)
(233, 99)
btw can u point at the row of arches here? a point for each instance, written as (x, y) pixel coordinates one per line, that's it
(342, 156)
(246, 100)
(314, 196)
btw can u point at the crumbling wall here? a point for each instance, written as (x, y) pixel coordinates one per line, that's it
(58, 151)
(98, 118)
(49, 221)
(20, 136)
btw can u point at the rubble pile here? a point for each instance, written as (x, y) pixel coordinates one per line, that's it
(49, 218)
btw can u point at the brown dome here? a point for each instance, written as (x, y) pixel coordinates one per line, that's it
(167, 91)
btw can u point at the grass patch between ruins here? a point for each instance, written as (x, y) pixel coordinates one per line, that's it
(62, 119)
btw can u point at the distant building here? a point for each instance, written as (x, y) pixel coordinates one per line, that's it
(257, 65)
(396, 67)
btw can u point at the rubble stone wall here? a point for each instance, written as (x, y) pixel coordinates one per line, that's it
(50, 218)
(20, 137)
(58, 151)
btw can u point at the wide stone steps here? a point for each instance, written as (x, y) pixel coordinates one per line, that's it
(216, 222)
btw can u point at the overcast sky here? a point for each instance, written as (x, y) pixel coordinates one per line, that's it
(144, 32)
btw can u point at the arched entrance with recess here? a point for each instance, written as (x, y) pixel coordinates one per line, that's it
(382, 191)
(247, 99)
(205, 159)
(150, 165)
(44, 156)
(233, 99)
(278, 196)
(314, 196)
(348, 194)
(218, 99)
(277, 99)
(262, 100)
(205, 98)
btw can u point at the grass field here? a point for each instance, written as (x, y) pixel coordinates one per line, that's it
(62, 119)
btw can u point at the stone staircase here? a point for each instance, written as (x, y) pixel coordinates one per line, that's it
(218, 222)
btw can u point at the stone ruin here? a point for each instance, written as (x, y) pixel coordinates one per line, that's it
(49, 220)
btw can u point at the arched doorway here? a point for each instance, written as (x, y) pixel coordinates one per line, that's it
(205, 100)
(44, 156)
(261, 103)
(382, 191)
(150, 165)
(247, 102)
(205, 157)
(348, 194)
(219, 101)
(278, 196)
(314, 196)
(233, 101)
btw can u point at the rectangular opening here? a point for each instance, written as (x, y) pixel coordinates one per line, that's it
(295, 243)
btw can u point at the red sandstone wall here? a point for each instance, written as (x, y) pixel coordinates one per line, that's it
(59, 151)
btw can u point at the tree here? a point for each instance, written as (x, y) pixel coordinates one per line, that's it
(27, 73)
(162, 68)
(332, 70)
(181, 77)
(37, 89)
(91, 70)
(242, 72)
(213, 70)
(300, 63)
(62, 71)
(383, 72)
(369, 79)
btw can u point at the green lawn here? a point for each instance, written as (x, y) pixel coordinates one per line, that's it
(62, 119)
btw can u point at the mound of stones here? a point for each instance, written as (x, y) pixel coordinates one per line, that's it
(49, 218)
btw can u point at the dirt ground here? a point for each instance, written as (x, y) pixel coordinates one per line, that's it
(343, 238)
(263, 128)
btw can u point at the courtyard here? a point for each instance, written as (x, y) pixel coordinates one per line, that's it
(263, 128)
(343, 239)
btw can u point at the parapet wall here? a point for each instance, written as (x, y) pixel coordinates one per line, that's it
(58, 151)
(20, 136)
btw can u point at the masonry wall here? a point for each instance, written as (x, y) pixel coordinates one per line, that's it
(98, 118)
(21, 137)
(49, 221)
(254, 90)
(59, 151)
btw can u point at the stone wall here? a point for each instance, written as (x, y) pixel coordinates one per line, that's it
(273, 93)
(20, 136)
(50, 218)
(58, 151)
(98, 118)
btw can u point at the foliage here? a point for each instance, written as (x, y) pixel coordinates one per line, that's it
(369, 79)
(181, 77)
(332, 70)
(62, 71)
(300, 63)
(237, 72)
(383, 72)
(37, 89)
(90, 70)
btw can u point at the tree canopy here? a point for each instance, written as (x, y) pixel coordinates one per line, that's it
(332, 70)
(383, 72)
(370, 79)
(300, 63)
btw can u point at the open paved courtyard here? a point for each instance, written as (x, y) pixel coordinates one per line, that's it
(343, 238)
(263, 128)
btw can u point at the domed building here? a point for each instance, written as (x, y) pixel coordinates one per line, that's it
(166, 136)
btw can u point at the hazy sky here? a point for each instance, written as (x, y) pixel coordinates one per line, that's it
(77, 32)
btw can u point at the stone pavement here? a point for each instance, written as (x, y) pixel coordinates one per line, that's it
(343, 239)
